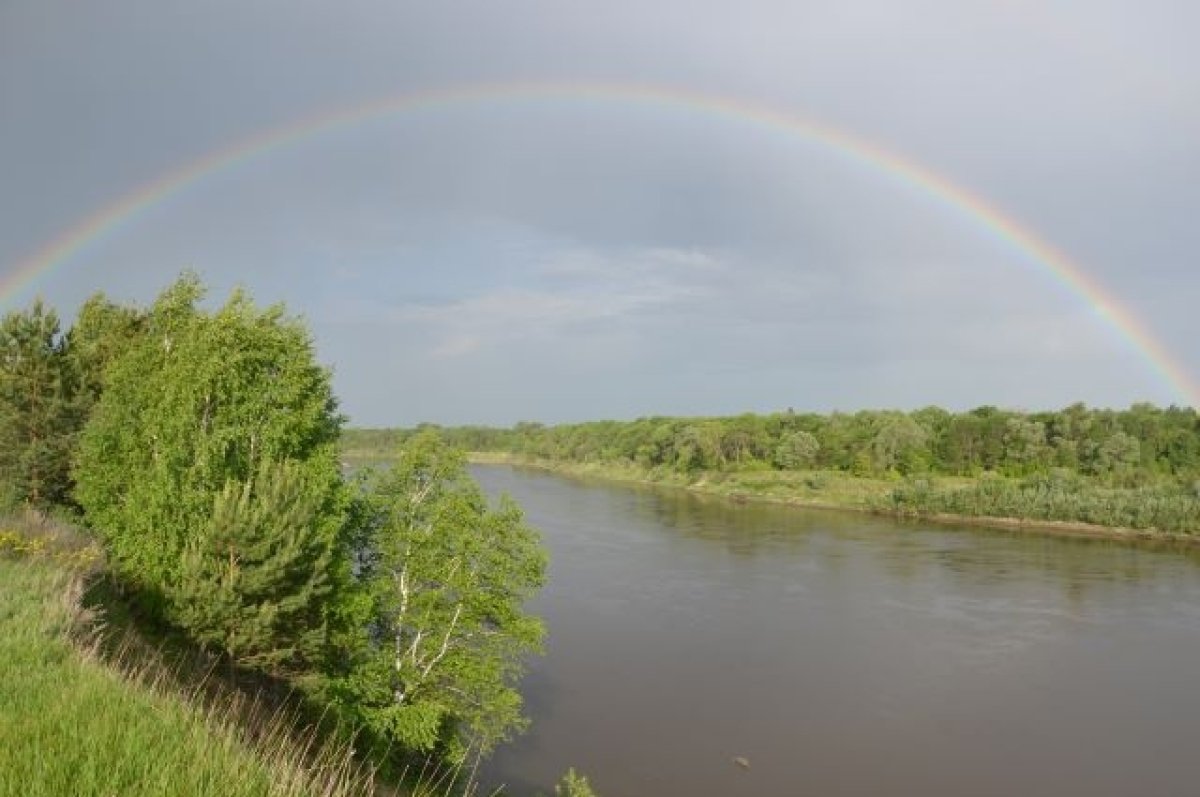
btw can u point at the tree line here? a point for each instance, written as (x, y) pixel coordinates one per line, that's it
(200, 446)
(1133, 468)
(1140, 445)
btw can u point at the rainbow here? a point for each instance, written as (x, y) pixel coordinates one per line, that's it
(956, 198)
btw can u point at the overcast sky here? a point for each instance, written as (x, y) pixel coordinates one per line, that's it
(564, 258)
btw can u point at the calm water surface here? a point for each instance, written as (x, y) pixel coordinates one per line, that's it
(847, 655)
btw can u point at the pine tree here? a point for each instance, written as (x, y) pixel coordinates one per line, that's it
(249, 583)
(39, 416)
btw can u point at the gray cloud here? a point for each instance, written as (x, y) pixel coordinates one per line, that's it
(568, 259)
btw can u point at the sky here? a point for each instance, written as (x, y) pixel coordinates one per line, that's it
(572, 253)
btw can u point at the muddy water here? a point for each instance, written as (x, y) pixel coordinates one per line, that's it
(842, 654)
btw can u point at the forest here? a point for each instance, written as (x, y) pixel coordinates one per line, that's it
(1136, 468)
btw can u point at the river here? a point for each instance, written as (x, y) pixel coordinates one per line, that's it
(844, 654)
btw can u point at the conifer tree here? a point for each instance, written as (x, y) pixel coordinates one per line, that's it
(249, 583)
(39, 417)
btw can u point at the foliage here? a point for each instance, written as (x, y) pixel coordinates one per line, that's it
(49, 382)
(39, 416)
(201, 446)
(251, 582)
(1134, 467)
(1164, 508)
(196, 405)
(103, 331)
(1142, 442)
(797, 450)
(573, 785)
(443, 578)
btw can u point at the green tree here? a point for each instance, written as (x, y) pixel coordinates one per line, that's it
(573, 785)
(198, 402)
(446, 578)
(1119, 453)
(102, 332)
(797, 450)
(901, 444)
(39, 414)
(1025, 446)
(251, 583)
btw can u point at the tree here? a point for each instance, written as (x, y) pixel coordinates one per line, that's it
(445, 578)
(39, 416)
(797, 450)
(250, 582)
(1025, 446)
(573, 785)
(901, 444)
(198, 405)
(102, 332)
(1119, 453)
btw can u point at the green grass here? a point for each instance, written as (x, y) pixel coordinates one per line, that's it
(1163, 509)
(811, 488)
(74, 724)
(1164, 512)
(818, 488)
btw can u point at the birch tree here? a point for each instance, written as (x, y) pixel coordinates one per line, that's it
(198, 405)
(447, 576)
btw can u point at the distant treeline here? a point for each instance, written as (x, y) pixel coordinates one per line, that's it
(1138, 446)
(1137, 468)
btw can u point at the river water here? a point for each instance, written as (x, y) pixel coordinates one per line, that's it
(843, 654)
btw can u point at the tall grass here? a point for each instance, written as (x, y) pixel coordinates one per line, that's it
(81, 717)
(1167, 508)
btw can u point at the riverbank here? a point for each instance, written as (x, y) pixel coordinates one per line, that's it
(83, 719)
(837, 491)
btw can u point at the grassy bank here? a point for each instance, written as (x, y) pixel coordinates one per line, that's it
(92, 706)
(828, 489)
(75, 722)
(1042, 505)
